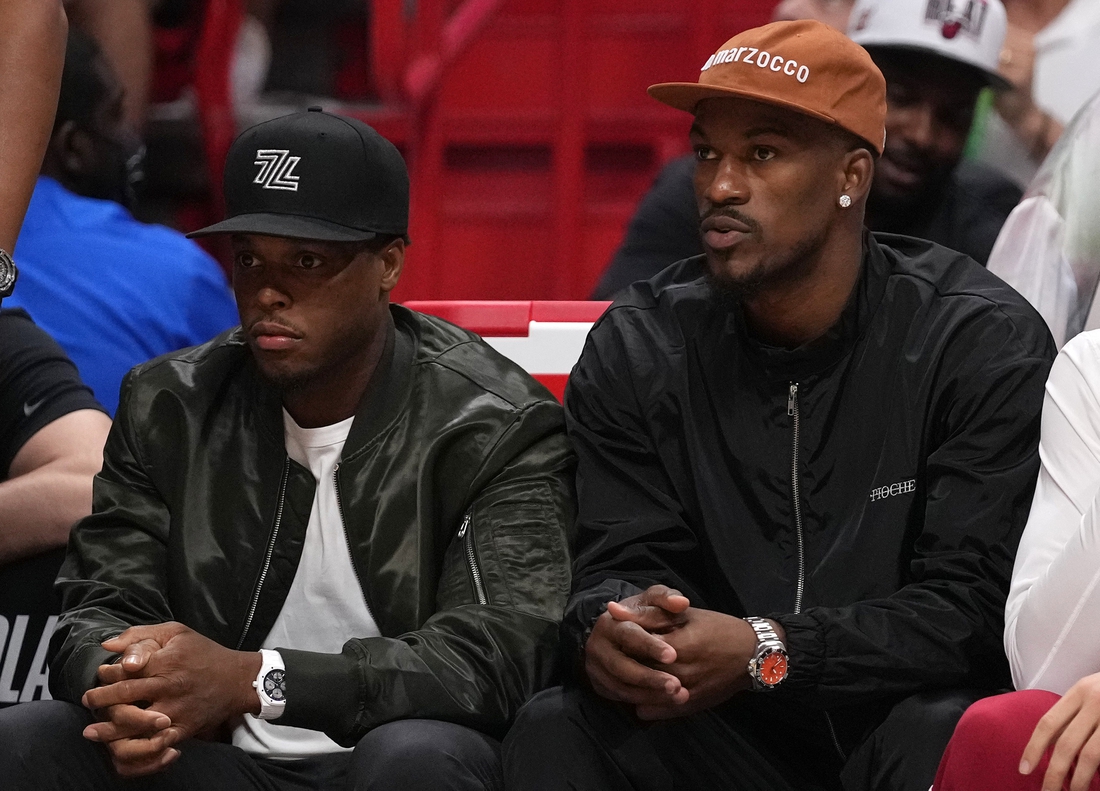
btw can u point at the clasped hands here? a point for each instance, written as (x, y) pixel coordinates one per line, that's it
(667, 659)
(170, 684)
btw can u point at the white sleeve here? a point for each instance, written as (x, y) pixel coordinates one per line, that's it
(1052, 618)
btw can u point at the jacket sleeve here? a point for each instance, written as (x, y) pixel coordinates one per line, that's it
(114, 572)
(943, 627)
(492, 642)
(632, 531)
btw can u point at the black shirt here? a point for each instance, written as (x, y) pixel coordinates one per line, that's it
(966, 216)
(38, 384)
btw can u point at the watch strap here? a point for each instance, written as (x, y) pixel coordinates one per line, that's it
(767, 644)
(271, 662)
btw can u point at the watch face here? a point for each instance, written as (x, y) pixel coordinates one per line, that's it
(7, 274)
(274, 685)
(773, 668)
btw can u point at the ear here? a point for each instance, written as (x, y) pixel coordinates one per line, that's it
(392, 257)
(859, 170)
(71, 150)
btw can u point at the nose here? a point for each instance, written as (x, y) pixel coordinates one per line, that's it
(722, 182)
(272, 298)
(922, 130)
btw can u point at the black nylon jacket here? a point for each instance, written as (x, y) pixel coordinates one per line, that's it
(456, 485)
(867, 491)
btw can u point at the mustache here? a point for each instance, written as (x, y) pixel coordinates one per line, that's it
(732, 213)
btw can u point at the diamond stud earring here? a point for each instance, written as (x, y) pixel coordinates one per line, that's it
(845, 201)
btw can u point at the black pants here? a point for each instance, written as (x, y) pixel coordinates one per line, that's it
(42, 749)
(571, 740)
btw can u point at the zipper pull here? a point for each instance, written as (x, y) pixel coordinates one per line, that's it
(792, 397)
(465, 524)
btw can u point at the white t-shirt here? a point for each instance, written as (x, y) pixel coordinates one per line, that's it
(325, 606)
(1051, 634)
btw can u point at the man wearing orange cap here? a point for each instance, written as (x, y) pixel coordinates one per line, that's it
(805, 460)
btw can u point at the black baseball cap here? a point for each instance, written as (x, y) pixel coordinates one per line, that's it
(314, 175)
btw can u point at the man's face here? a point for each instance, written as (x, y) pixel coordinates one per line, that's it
(930, 108)
(767, 182)
(310, 309)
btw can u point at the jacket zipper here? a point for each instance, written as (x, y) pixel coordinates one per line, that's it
(268, 554)
(467, 536)
(347, 538)
(836, 741)
(796, 490)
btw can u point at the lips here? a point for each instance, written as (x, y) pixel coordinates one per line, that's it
(721, 232)
(903, 170)
(272, 336)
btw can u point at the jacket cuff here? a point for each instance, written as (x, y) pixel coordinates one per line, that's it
(81, 671)
(322, 693)
(806, 650)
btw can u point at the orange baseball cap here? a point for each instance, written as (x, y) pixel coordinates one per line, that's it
(805, 66)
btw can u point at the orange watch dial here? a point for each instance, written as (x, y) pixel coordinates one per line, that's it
(773, 669)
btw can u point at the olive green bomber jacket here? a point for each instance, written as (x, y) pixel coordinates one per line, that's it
(456, 485)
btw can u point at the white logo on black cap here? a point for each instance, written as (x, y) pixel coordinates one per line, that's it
(276, 169)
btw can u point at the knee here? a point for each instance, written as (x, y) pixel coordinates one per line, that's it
(35, 734)
(414, 754)
(998, 725)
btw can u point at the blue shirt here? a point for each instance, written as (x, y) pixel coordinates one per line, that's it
(112, 291)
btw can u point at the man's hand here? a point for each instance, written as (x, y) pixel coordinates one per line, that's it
(628, 641)
(712, 657)
(187, 679)
(1072, 727)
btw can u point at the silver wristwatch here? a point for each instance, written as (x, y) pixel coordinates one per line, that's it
(768, 666)
(8, 275)
(270, 685)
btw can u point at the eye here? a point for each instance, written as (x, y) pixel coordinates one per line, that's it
(703, 153)
(245, 260)
(309, 261)
(761, 154)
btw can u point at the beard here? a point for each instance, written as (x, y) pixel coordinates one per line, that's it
(770, 272)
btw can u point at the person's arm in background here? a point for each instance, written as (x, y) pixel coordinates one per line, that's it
(51, 441)
(124, 31)
(50, 484)
(30, 78)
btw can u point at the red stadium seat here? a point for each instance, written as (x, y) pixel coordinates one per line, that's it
(545, 338)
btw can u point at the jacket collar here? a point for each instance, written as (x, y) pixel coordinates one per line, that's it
(383, 400)
(824, 352)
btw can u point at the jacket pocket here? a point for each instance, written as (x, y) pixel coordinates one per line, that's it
(521, 550)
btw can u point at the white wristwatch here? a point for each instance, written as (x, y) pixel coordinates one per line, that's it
(270, 685)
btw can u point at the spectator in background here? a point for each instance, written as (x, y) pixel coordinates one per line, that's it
(114, 292)
(1051, 56)
(51, 444)
(51, 429)
(922, 187)
(124, 31)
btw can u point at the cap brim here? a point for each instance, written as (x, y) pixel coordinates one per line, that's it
(292, 226)
(993, 79)
(686, 95)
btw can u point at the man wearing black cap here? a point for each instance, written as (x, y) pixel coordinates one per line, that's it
(328, 547)
(804, 462)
